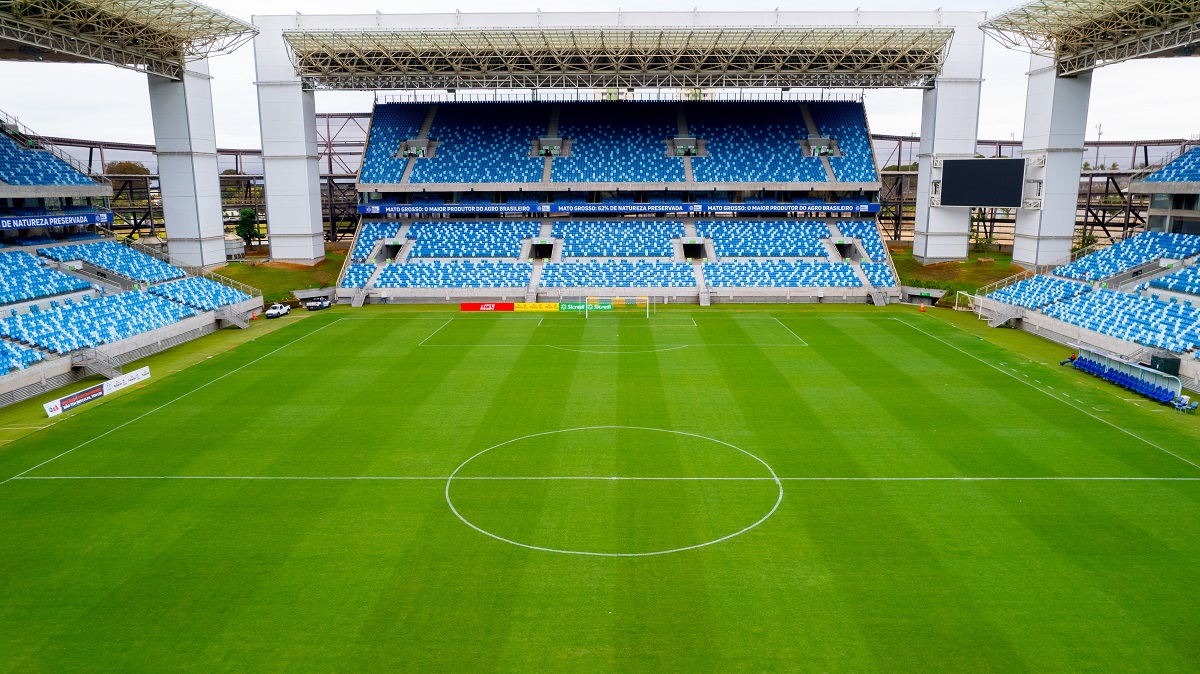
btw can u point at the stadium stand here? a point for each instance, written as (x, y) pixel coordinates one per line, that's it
(357, 275)
(90, 324)
(455, 274)
(117, 259)
(617, 142)
(1184, 169)
(369, 234)
(617, 239)
(780, 274)
(14, 357)
(35, 166)
(1130, 253)
(23, 278)
(1038, 291)
(618, 274)
(868, 233)
(391, 125)
(1147, 321)
(879, 274)
(1183, 281)
(199, 293)
(847, 123)
(766, 238)
(472, 239)
(484, 143)
(748, 142)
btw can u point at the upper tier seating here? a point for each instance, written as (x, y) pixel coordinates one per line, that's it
(391, 125)
(89, 324)
(30, 166)
(1183, 281)
(752, 142)
(1147, 321)
(1130, 253)
(470, 239)
(369, 235)
(484, 143)
(617, 142)
(116, 258)
(618, 274)
(200, 293)
(357, 275)
(14, 357)
(1038, 291)
(780, 274)
(617, 239)
(23, 278)
(455, 274)
(847, 122)
(879, 274)
(766, 238)
(1184, 169)
(868, 233)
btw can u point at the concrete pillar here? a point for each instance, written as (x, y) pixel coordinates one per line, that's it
(949, 129)
(1056, 110)
(186, 140)
(288, 125)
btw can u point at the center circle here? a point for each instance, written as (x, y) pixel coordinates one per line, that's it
(613, 491)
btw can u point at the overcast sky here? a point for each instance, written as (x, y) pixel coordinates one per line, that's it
(1142, 99)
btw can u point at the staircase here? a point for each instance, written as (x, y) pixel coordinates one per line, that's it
(552, 132)
(535, 278)
(878, 298)
(705, 293)
(682, 127)
(1006, 313)
(360, 297)
(95, 362)
(426, 124)
(237, 318)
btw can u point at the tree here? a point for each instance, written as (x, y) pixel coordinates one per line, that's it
(126, 168)
(1087, 166)
(1114, 166)
(247, 227)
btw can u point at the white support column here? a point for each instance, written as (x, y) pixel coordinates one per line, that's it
(949, 129)
(1056, 110)
(185, 138)
(288, 125)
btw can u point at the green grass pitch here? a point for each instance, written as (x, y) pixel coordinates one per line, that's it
(735, 489)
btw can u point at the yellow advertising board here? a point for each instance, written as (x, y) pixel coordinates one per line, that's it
(535, 306)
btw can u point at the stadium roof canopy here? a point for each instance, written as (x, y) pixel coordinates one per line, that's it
(769, 56)
(1085, 34)
(153, 36)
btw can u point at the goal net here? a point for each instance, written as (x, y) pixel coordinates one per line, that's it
(600, 306)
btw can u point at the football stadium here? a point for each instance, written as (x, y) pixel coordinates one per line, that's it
(602, 341)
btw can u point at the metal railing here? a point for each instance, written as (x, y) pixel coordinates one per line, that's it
(588, 95)
(1038, 269)
(1147, 170)
(43, 144)
(188, 269)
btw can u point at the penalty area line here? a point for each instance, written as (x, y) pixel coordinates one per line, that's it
(605, 478)
(802, 342)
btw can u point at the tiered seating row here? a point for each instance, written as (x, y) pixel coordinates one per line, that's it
(116, 258)
(748, 142)
(1147, 321)
(1129, 254)
(847, 122)
(1038, 291)
(617, 239)
(1136, 384)
(617, 142)
(357, 275)
(484, 143)
(769, 238)
(780, 274)
(14, 357)
(1184, 281)
(879, 274)
(392, 124)
(868, 233)
(369, 234)
(200, 293)
(1184, 169)
(476, 239)
(618, 274)
(30, 166)
(455, 274)
(90, 324)
(23, 278)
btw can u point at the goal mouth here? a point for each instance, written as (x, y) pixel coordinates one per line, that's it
(604, 305)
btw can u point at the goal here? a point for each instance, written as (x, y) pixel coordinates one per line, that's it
(607, 305)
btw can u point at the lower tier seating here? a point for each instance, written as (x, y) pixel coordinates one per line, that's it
(780, 274)
(22, 278)
(455, 274)
(1184, 281)
(116, 258)
(1147, 321)
(1038, 291)
(879, 274)
(618, 274)
(617, 239)
(868, 233)
(474, 239)
(1124, 379)
(369, 234)
(1130, 253)
(357, 275)
(766, 238)
(14, 357)
(200, 293)
(90, 324)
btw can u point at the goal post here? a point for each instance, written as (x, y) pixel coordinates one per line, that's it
(641, 304)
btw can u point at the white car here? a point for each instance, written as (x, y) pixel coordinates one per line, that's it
(278, 310)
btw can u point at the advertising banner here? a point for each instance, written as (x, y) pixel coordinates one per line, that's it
(89, 394)
(601, 209)
(570, 306)
(535, 306)
(486, 306)
(56, 220)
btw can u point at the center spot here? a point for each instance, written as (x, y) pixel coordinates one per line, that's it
(613, 491)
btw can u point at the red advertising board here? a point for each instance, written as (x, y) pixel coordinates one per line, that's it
(486, 306)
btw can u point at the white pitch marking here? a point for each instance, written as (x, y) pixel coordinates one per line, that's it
(672, 348)
(804, 343)
(536, 478)
(169, 402)
(1100, 419)
(439, 329)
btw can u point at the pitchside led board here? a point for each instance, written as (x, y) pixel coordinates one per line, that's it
(996, 183)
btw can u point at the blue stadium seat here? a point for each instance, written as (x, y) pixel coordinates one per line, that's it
(455, 274)
(617, 239)
(34, 166)
(766, 238)
(1183, 281)
(89, 324)
(369, 234)
(1038, 291)
(1183, 169)
(470, 239)
(1130, 253)
(879, 274)
(1171, 326)
(847, 123)
(484, 143)
(780, 274)
(618, 274)
(391, 125)
(22, 278)
(115, 258)
(200, 293)
(16, 357)
(618, 142)
(867, 232)
(752, 142)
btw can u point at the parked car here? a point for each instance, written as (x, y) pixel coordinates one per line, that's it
(317, 303)
(277, 310)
